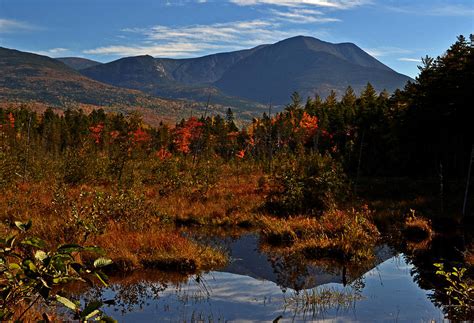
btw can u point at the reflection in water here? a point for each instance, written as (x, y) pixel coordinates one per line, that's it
(264, 286)
(316, 302)
(446, 249)
(293, 270)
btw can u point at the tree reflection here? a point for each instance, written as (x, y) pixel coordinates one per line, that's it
(448, 249)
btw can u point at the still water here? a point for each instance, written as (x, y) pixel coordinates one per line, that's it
(256, 287)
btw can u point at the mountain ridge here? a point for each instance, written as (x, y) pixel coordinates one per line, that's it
(78, 63)
(265, 73)
(28, 78)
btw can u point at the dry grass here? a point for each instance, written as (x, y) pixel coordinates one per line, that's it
(37, 313)
(339, 234)
(140, 228)
(232, 202)
(469, 255)
(416, 228)
(158, 249)
(133, 241)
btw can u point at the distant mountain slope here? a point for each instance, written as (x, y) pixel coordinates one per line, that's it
(309, 66)
(171, 78)
(202, 70)
(44, 82)
(263, 74)
(27, 77)
(78, 63)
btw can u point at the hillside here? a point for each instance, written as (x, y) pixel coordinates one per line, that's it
(309, 66)
(27, 77)
(190, 79)
(261, 74)
(78, 63)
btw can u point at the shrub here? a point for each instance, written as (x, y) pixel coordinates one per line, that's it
(459, 291)
(30, 272)
(310, 184)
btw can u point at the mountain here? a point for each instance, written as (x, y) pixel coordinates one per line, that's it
(309, 66)
(267, 73)
(36, 79)
(173, 78)
(78, 63)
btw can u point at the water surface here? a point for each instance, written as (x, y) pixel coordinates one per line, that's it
(258, 287)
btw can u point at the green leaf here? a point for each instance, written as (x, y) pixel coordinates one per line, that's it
(91, 315)
(102, 277)
(68, 248)
(28, 264)
(107, 319)
(62, 280)
(23, 226)
(45, 284)
(102, 262)
(34, 242)
(66, 302)
(91, 308)
(10, 240)
(41, 255)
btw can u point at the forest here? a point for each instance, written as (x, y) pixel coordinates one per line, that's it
(87, 196)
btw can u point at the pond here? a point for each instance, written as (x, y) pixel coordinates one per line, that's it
(258, 286)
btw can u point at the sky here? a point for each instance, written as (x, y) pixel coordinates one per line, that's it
(398, 33)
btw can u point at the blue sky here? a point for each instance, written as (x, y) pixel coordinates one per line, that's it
(398, 33)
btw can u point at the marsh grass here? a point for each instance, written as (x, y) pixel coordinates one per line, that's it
(416, 228)
(158, 249)
(345, 235)
(318, 301)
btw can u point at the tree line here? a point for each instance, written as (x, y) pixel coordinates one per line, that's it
(421, 130)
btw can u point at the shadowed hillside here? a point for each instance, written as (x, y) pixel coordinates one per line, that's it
(261, 74)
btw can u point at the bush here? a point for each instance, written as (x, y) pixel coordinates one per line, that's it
(31, 272)
(307, 185)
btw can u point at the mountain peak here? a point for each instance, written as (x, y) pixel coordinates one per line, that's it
(269, 72)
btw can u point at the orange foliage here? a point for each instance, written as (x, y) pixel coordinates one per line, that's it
(240, 154)
(186, 133)
(309, 123)
(114, 134)
(140, 136)
(96, 132)
(163, 154)
(11, 120)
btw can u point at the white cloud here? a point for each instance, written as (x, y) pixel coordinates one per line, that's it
(408, 59)
(10, 25)
(173, 50)
(303, 16)
(436, 9)
(335, 4)
(386, 51)
(52, 51)
(194, 40)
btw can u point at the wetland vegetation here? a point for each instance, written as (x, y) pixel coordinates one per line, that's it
(324, 186)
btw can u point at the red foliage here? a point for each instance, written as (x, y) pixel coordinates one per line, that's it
(163, 154)
(96, 132)
(184, 134)
(240, 154)
(308, 124)
(140, 136)
(11, 120)
(114, 134)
